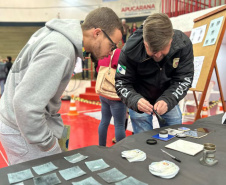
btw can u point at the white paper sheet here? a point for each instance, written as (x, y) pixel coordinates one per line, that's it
(186, 147)
(213, 31)
(198, 61)
(197, 34)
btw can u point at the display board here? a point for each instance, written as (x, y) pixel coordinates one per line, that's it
(207, 36)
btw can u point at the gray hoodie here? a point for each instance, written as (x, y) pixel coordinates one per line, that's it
(37, 80)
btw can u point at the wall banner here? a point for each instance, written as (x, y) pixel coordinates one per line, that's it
(134, 8)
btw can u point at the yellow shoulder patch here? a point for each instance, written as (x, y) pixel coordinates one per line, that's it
(175, 62)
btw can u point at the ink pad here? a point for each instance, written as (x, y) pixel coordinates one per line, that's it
(151, 141)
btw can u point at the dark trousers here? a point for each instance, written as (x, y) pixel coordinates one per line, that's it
(124, 38)
(85, 69)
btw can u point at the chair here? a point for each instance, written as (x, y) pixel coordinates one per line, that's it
(185, 103)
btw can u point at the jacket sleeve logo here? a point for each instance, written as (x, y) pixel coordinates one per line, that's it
(175, 62)
(183, 87)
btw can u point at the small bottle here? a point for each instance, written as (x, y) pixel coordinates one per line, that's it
(163, 134)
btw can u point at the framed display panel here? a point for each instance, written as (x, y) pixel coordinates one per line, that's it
(210, 53)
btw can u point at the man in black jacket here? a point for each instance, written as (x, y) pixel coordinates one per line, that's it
(155, 71)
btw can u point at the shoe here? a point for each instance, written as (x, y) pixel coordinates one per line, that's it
(114, 140)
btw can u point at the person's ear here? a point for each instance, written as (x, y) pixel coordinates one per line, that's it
(147, 48)
(146, 45)
(96, 32)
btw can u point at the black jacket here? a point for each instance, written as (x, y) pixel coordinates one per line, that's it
(140, 76)
(8, 65)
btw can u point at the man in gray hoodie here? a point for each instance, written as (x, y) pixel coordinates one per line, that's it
(29, 123)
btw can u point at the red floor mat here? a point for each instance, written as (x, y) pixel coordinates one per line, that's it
(84, 129)
(3, 157)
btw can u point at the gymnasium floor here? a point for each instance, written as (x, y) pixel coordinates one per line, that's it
(84, 129)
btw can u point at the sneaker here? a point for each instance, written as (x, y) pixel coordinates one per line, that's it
(114, 140)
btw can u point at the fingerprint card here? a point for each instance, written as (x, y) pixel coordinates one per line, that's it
(20, 183)
(75, 158)
(87, 181)
(96, 165)
(50, 179)
(112, 175)
(71, 173)
(20, 176)
(131, 181)
(44, 168)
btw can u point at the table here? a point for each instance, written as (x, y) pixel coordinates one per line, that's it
(191, 171)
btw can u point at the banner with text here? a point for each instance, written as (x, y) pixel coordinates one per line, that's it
(134, 8)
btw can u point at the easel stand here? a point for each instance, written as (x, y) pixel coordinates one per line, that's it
(210, 52)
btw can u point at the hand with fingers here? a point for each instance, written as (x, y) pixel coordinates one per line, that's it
(161, 107)
(144, 106)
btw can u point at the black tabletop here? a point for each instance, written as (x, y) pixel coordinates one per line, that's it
(191, 171)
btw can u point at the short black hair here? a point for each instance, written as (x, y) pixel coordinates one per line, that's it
(9, 58)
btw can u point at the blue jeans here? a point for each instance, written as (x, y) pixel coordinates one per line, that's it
(110, 108)
(2, 83)
(143, 122)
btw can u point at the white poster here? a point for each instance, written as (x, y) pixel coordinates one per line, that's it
(197, 34)
(198, 61)
(213, 31)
